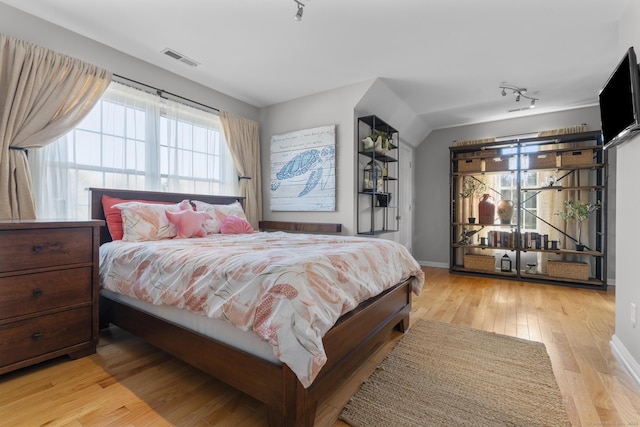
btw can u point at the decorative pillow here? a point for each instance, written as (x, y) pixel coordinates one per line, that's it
(113, 215)
(219, 213)
(189, 223)
(148, 221)
(235, 225)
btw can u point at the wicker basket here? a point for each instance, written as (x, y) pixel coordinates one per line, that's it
(494, 164)
(542, 160)
(577, 158)
(479, 262)
(477, 154)
(469, 165)
(568, 270)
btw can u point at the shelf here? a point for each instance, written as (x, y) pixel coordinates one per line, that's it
(373, 154)
(564, 252)
(535, 204)
(499, 248)
(560, 188)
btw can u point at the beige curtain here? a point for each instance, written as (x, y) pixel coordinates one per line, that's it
(244, 143)
(43, 95)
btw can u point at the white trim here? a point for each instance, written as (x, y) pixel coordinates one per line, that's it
(433, 264)
(611, 282)
(626, 358)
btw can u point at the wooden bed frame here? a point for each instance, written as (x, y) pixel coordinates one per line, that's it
(351, 340)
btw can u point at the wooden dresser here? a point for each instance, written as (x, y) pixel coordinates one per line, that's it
(48, 290)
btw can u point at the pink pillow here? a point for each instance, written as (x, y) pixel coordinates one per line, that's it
(235, 225)
(189, 223)
(218, 213)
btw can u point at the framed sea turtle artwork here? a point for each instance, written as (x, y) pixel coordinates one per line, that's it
(303, 170)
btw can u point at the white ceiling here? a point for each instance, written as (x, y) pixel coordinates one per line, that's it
(444, 58)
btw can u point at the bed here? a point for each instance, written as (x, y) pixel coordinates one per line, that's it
(291, 399)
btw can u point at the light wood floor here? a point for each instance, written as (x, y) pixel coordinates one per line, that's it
(129, 383)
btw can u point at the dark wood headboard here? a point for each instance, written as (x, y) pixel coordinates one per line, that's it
(97, 212)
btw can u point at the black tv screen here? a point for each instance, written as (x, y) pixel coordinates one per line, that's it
(620, 99)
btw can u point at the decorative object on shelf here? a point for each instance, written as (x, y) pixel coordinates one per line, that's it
(466, 235)
(472, 186)
(505, 263)
(486, 209)
(531, 268)
(372, 177)
(379, 141)
(383, 199)
(505, 211)
(578, 211)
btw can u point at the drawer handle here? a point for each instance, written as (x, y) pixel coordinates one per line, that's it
(37, 336)
(37, 292)
(38, 248)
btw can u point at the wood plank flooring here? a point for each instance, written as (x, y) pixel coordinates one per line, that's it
(130, 383)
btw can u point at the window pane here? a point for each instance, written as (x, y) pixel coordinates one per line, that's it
(86, 145)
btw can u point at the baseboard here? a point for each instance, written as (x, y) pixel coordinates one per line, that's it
(433, 264)
(626, 358)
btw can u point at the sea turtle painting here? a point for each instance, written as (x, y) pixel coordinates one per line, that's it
(309, 161)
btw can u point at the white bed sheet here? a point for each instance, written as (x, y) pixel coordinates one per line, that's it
(217, 329)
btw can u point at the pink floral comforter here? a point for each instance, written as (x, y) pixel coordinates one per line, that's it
(289, 289)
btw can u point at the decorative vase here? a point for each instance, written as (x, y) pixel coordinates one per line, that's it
(486, 210)
(367, 143)
(505, 211)
(381, 146)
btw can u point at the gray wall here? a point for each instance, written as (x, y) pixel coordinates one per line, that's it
(431, 213)
(18, 24)
(327, 108)
(626, 341)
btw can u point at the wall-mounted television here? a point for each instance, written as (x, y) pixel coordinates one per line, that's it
(620, 101)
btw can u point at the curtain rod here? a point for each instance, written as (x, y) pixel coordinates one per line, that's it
(160, 92)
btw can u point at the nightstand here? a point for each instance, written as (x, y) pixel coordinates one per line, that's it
(48, 290)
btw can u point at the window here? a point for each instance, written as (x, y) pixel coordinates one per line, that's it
(134, 140)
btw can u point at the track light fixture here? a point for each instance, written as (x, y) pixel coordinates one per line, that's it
(519, 92)
(298, 16)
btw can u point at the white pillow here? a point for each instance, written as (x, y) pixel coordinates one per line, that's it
(144, 221)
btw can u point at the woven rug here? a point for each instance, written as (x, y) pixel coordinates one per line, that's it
(446, 375)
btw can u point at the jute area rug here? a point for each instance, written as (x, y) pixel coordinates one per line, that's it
(446, 375)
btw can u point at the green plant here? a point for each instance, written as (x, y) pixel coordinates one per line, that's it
(385, 140)
(578, 211)
(472, 186)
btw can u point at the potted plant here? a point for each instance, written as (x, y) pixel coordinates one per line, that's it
(471, 187)
(578, 211)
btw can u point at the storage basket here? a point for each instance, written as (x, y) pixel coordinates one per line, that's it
(494, 164)
(479, 262)
(568, 270)
(542, 160)
(477, 154)
(469, 165)
(577, 158)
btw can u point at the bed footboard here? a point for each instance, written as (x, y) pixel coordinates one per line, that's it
(355, 337)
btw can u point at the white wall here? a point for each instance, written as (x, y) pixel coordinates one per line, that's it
(431, 210)
(327, 108)
(626, 341)
(18, 24)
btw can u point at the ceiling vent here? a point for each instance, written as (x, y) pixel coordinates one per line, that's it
(180, 57)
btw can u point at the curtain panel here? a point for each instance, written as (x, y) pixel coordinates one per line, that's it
(244, 143)
(43, 95)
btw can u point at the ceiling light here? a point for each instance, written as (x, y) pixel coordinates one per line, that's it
(298, 16)
(519, 92)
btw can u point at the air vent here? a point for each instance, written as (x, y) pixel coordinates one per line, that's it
(180, 57)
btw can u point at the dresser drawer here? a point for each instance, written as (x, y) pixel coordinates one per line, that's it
(23, 249)
(31, 293)
(26, 339)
